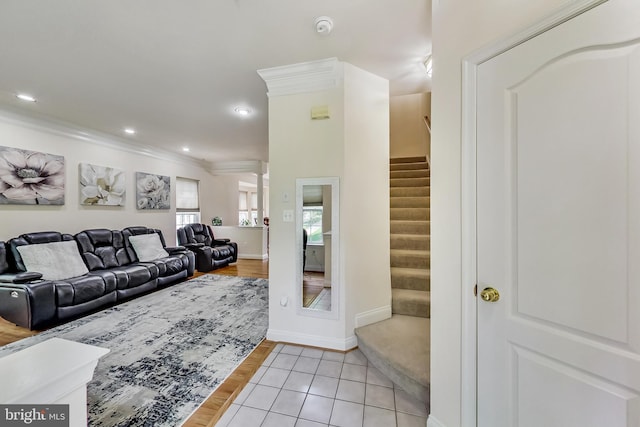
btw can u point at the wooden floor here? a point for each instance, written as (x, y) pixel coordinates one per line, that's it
(213, 408)
(10, 332)
(312, 285)
(246, 268)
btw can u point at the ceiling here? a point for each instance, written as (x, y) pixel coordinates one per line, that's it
(175, 70)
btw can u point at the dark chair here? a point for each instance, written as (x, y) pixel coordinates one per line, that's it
(211, 253)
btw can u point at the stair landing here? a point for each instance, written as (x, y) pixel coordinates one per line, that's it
(400, 348)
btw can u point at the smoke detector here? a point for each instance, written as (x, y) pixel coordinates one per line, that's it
(324, 25)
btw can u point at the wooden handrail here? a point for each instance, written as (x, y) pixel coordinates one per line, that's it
(427, 123)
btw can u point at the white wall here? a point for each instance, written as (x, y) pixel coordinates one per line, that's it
(364, 209)
(459, 28)
(298, 148)
(315, 258)
(222, 199)
(352, 145)
(408, 134)
(252, 241)
(50, 137)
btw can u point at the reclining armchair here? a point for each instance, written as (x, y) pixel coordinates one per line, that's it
(211, 253)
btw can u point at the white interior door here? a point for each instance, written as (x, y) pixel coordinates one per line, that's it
(558, 225)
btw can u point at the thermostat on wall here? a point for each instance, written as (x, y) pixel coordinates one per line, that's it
(320, 112)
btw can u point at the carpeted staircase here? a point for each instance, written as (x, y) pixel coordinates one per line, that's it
(399, 346)
(409, 180)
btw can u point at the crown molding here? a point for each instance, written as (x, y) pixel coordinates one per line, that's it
(68, 130)
(304, 77)
(238, 167)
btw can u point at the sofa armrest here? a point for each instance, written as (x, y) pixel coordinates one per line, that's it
(30, 305)
(175, 249)
(193, 246)
(220, 242)
(191, 262)
(23, 277)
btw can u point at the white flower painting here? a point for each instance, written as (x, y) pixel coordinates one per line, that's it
(30, 177)
(153, 191)
(101, 185)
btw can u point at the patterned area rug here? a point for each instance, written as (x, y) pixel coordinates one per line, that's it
(169, 349)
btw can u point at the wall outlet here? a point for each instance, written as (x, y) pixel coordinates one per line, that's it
(287, 215)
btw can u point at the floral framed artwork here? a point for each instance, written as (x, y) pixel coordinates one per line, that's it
(153, 191)
(101, 185)
(30, 177)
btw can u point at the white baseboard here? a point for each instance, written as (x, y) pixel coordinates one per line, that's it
(312, 340)
(253, 256)
(372, 316)
(433, 422)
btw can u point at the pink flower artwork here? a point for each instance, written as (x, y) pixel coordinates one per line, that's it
(30, 177)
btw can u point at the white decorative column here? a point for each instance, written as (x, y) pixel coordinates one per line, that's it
(328, 118)
(55, 371)
(260, 206)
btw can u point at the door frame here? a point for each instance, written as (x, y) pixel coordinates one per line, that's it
(470, 64)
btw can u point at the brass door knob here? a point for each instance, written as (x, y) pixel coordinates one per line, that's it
(490, 295)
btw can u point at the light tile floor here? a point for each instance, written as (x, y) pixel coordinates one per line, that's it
(304, 387)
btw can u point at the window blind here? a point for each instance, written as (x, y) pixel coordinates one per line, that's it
(242, 200)
(187, 194)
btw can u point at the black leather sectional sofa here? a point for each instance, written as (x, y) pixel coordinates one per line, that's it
(114, 274)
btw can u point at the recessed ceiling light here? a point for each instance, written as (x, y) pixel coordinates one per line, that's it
(25, 97)
(243, 111)
(130, 131)
(185, 149)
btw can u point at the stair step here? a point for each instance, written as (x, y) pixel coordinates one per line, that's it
(410, 241)
(410, 191)
(409, 182)
(417, 279)
(410, 202)
(410, 258)
(408, 166)
(417, 159)
(409, 302)
(399, 347)
(415, 214)
(410, 227)
(418, 173)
